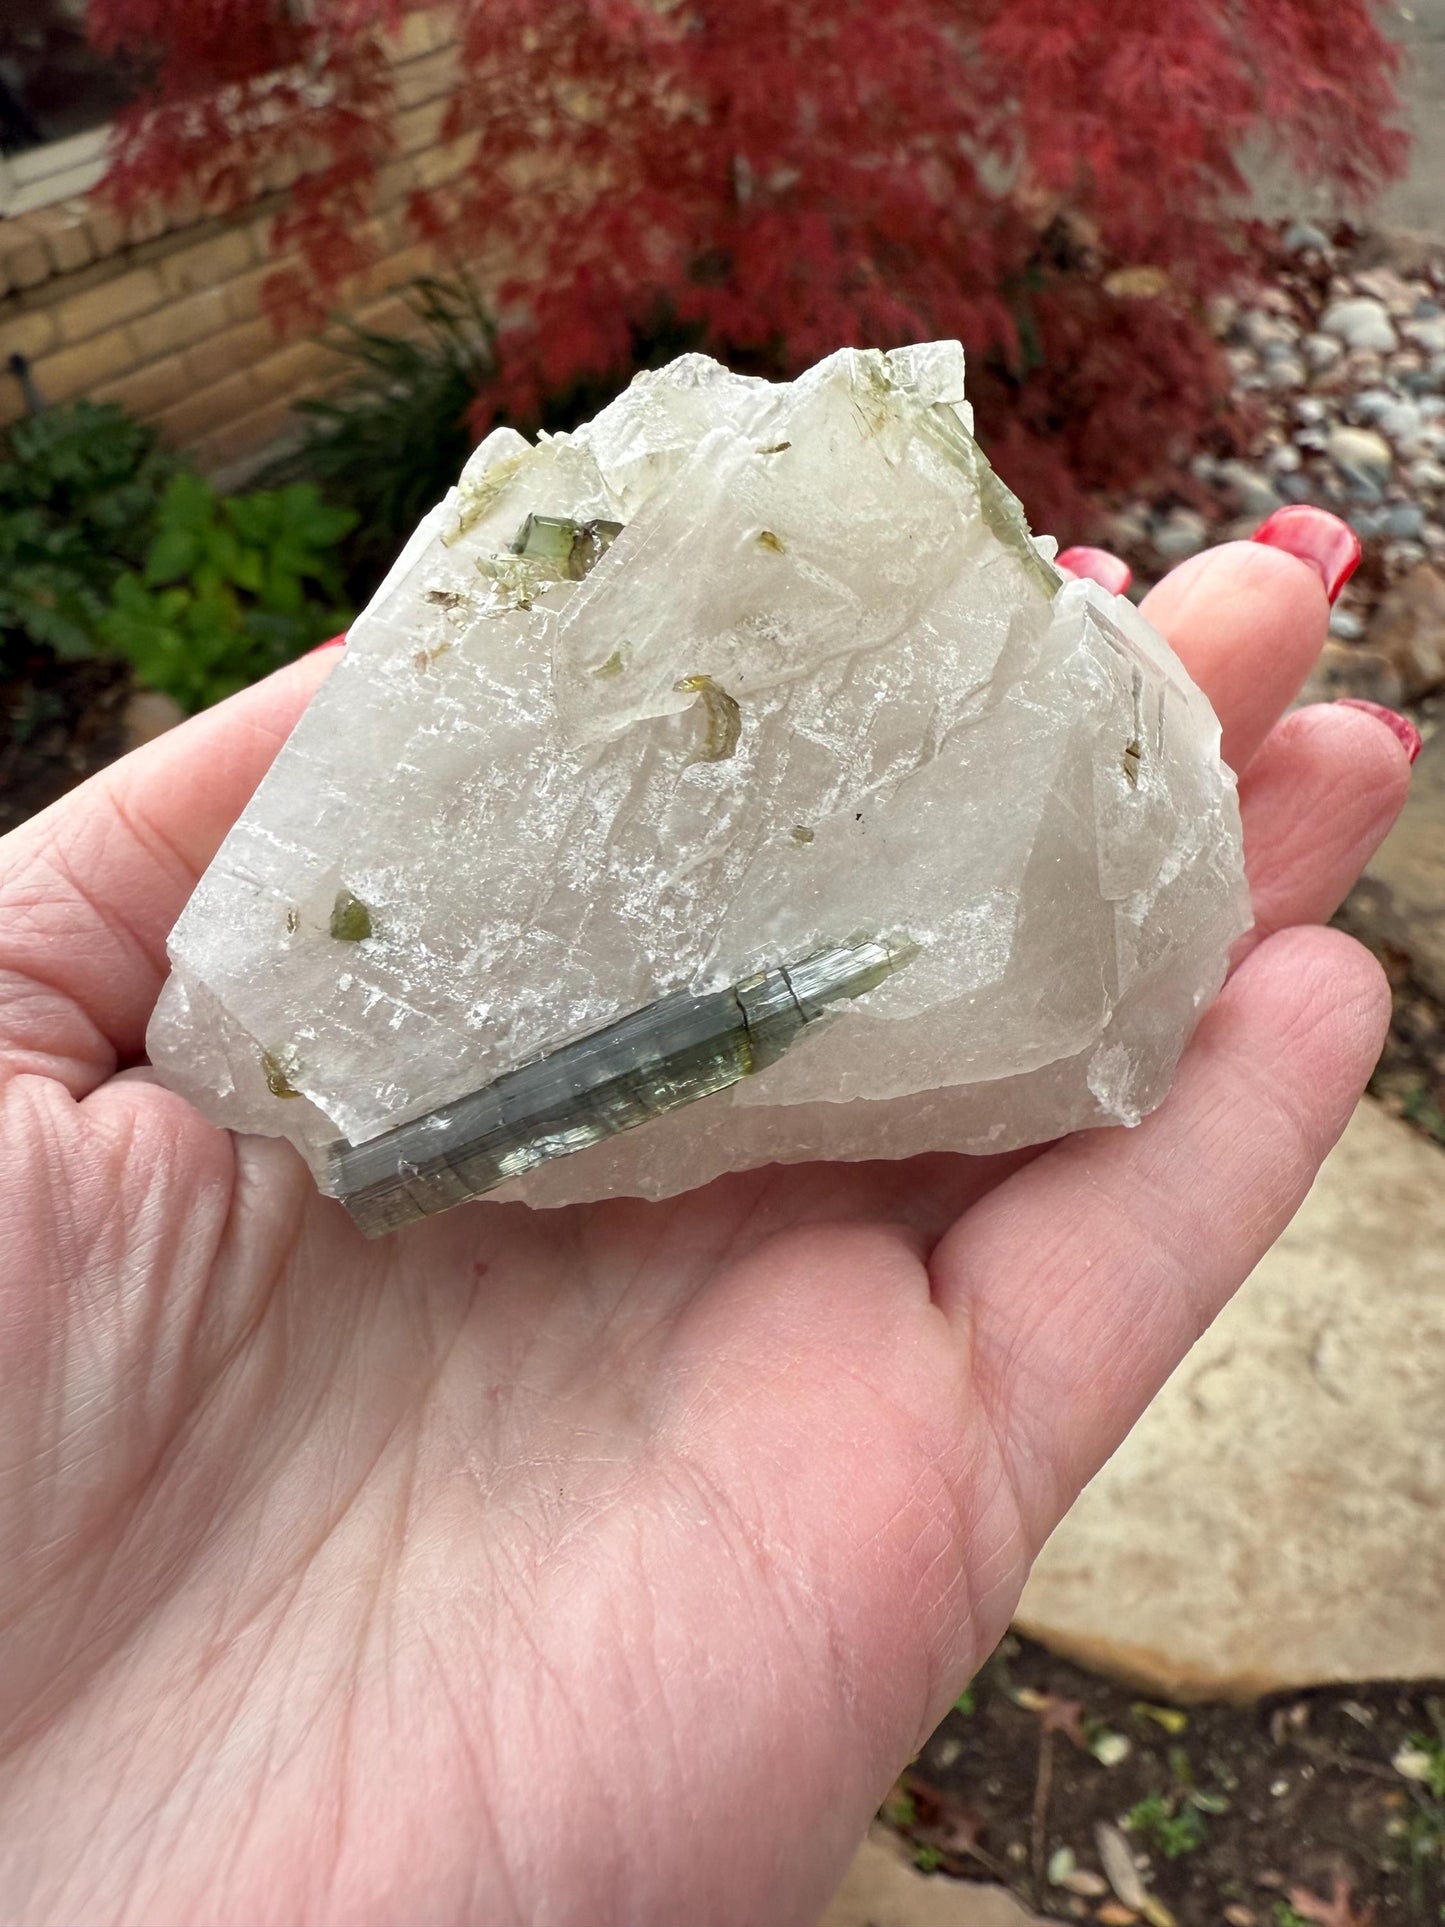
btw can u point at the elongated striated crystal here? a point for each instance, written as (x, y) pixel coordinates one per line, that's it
(678, 1050)
(644, 711)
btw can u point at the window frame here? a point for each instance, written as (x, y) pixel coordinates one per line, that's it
(55, 171)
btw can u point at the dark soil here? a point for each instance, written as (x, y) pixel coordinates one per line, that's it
(59, 723)
(1276, 1814)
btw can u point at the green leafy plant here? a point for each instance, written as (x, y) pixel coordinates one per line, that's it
(1286, 1916)
(230, 588)
(1175, 1828)
(80, 493)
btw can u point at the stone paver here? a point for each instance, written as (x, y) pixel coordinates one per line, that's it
(883, 1890)
(1278, 1517)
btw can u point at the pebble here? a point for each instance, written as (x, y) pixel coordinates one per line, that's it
(1082, 1880)
(1182, 533)
(1361, 455)
(1322, 351)
(1383, 284)
(1297, 488)
(1402, 422)
(1409, 630)
(148, 714)
(1405, 521)
(1305, 238)
(1427, 476)
(1419, 382)
(1285, 372)
(1254, 493)
(1345, 625)
(1309, 408)
(1285, 460)
(1428, 334)
(1362, 323)
(1263, 331)
(1370, 402)
(1346, 669)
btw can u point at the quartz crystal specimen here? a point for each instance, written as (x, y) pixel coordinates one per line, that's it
(739, 676)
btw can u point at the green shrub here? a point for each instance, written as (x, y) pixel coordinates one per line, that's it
(230, 588)
(80, 491)
(390, 445)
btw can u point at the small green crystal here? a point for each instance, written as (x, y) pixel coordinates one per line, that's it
(350, 918)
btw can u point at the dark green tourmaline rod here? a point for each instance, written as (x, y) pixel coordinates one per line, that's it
(674, 1051)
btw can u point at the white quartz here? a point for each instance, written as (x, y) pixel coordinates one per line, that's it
(937, 739)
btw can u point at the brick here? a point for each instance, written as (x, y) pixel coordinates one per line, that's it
(26, 262)
(147, 223)
(243, 294)
(107, 230)
(208, 263)
(432, 77)
(394, 271)
(29, 332)
(211, 408)
(178, 323)
(391, 315)
(420, 32)
(65, 234)
(247, 435)
(420, 127)
(281, 172)
(235, 347)
(147, 391)
(134, 292)
(394, 182)
(71, 372)
(296, 369)
(441, 164)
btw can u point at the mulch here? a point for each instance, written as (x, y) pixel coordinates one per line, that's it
(1284, 1812)
(59, 723)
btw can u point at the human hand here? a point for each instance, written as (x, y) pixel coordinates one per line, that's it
(590, 1565)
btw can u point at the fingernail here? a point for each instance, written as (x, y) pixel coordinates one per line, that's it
(1111, 572)
(336, 642)
(1397, 724)
(1329, 545)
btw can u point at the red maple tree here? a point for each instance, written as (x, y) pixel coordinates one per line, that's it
(1056, 182)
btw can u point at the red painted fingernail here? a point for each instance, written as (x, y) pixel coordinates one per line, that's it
(336, 642)
(1111, 572)
(1317, 537)
(1397, 724)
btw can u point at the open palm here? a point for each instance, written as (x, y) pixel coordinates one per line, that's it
(591, 1565)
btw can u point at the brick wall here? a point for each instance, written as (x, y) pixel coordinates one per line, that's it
(165, 317)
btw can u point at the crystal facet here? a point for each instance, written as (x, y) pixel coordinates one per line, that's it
(651, 710)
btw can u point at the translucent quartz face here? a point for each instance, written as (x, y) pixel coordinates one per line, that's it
(734, 672)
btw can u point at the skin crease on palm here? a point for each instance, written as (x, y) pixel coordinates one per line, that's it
(589, 1566)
